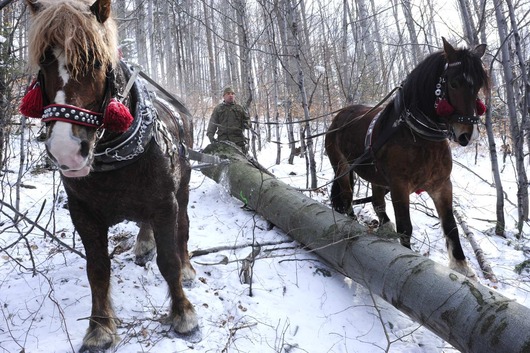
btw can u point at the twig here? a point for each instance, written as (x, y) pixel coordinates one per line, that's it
(472, 172)
(201, 252)
(247, 264)
(233, 332)
(479, 253)
(47, 232)
(484, 180)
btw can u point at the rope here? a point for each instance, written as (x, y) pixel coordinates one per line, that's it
(361, 158)
(350, 122)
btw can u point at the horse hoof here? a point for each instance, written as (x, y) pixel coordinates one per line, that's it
(186, 323)
(462, 267)
(143, 259)
(194, 336)
(85, 349)
(99, 339)
(89, 347)
(188, 273)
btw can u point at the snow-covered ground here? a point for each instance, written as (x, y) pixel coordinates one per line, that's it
(298, 304)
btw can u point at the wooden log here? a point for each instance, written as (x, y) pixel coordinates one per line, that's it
(468, 315)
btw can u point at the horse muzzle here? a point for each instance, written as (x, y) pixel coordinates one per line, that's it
(464, 128)
(69, 147)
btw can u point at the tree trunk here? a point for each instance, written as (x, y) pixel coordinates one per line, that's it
(500, 224)
(409, 20)
(141, 35)
(214, 90)
(471, 317)
(470, 33)
(309, 150)
(515, 130)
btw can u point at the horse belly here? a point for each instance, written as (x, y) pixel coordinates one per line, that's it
(135, 192)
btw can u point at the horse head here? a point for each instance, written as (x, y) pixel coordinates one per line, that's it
(457, 102)
(74, 46)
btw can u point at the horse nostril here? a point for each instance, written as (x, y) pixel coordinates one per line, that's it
(464, 139)
(84, 148)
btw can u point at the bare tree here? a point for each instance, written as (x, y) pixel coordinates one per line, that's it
(516, 131)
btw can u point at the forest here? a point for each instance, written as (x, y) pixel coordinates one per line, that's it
(293, 61)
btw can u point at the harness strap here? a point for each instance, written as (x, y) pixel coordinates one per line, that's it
(130, 145)
(72, 114)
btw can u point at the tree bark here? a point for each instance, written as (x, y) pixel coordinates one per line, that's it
(471, 317)
(516, 130)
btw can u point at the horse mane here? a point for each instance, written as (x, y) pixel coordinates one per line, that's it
(418, 88)
(70, 26)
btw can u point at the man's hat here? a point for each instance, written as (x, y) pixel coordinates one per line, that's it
(228, 90)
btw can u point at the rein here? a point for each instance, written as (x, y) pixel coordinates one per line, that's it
(380, 103)
(416, 120)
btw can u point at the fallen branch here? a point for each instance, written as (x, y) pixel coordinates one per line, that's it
(479, 253)
(474, 173)
(201, 252)
(38, 226)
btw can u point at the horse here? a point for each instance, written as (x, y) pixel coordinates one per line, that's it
(403, 146)
(121, 152)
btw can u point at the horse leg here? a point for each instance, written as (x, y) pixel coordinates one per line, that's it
(182, 315)
(101, 333)
(379, 205)
(401, 202)
(183, 233)
(342, 187)
(443, 201)
(145, 247)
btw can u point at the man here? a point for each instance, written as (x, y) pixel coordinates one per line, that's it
(229, 120)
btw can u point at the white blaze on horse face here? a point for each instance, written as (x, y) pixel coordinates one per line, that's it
(62, 144)
(474, 134)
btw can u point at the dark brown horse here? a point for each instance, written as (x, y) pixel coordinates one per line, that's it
(404, 146)
(115, 165)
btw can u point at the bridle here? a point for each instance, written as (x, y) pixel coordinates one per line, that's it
(134, 134)
(429, 128)
(112, 115)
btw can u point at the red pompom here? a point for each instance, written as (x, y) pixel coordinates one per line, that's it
(444, 108)
(480, 107)
(117, 117)
(31, 105)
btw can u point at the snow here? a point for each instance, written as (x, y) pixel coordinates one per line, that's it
(298, 303)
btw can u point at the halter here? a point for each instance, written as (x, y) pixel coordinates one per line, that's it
(446, 110)
(72, 114)
(419, 122)
(135, 134)
(428, 128)
(116, 116)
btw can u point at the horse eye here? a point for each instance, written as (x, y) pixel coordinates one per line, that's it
(47, 58)
(455, 83)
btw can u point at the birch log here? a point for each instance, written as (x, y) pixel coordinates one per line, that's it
(471, 317)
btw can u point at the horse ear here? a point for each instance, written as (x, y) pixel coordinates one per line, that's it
(34, 6)
(101, 9)
(480, 50)
(449, 51)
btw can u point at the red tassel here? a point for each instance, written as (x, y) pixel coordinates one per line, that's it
(31, 105)
(419, 191)
(117, 117)
(444, 108)
(480, 107)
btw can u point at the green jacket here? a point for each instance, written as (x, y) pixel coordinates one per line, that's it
(229, 121)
